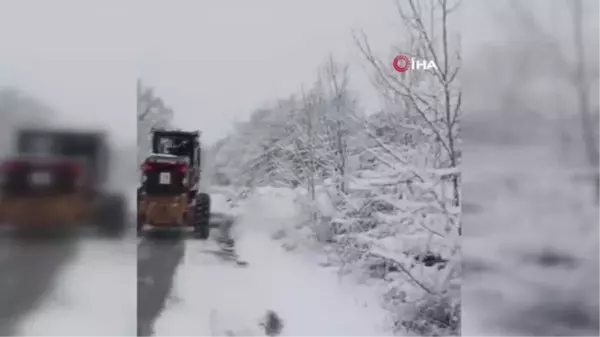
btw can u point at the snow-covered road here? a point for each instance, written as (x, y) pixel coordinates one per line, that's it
(211, 297)
(88, 286)
(73, 286)
(95, 294)
(214, 297)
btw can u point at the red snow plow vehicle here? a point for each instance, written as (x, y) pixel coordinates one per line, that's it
(169, 196)
(40, 192)
(54, 181)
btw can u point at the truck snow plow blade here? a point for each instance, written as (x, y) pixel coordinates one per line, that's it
(164, 211)
(42, 211)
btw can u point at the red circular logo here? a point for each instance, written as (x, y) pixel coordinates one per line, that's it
(401, 63)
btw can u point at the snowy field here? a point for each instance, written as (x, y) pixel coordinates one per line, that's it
(213, 297)
(530, 246)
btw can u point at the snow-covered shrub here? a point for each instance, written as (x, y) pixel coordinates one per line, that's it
(432, 315)
(380, 206)
(151, 113)
(398, 226)
(415, 147)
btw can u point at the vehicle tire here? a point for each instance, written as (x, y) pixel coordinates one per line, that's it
(111, 216)
(202, 216)
(140, 225)
(139, 219)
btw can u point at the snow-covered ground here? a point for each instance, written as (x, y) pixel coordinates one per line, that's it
(213, 297)
(530, 245)
(94, 295)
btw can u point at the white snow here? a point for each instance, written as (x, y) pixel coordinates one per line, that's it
(96, 293)
(532, 208)
(211, 297)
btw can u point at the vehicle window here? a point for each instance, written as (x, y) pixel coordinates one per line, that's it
(180, 147)
(165, 145)
(39, 145)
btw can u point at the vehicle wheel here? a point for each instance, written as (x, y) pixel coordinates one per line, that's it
(140, 225)
(111, 216)
(202, 216)
(140, 218)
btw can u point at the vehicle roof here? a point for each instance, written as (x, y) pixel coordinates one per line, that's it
(96, 135)
(39, 158)
(62, 131)
(177, 132)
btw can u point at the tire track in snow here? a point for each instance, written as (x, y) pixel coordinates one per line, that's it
(157, 260)
(159, 255)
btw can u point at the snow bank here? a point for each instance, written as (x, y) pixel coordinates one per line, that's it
(268, 209)
(370, 257)
(212, 297)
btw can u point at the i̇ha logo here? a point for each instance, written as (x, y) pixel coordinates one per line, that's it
(402, 63)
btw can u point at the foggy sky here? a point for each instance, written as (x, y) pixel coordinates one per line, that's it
(212, 61)
(77, 56)
(215, 62)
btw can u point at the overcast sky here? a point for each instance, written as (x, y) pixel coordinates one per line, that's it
(212, 61)
(215, 62)
(77, 56)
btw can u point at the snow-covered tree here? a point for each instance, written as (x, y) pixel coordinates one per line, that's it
(151, 113)
(568, 43)
(372, 195)
(432, 100)
(426, 106)
(18, 109)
